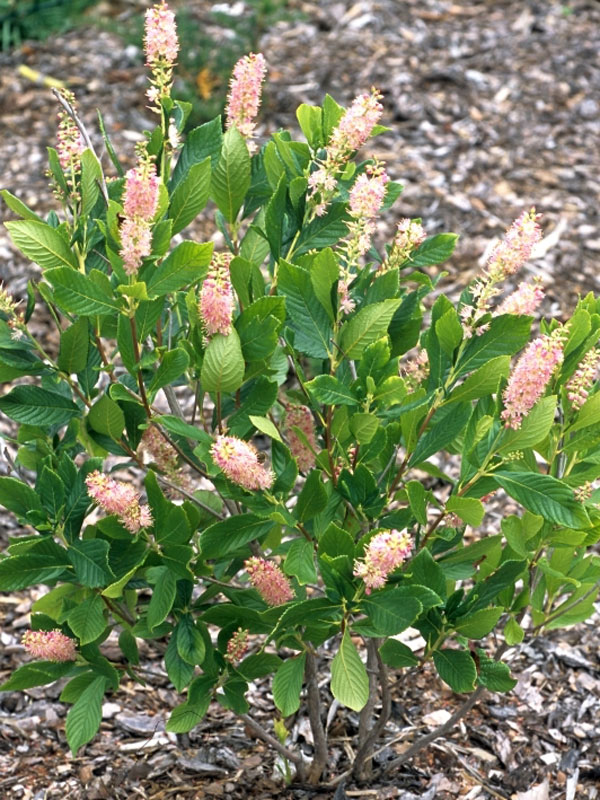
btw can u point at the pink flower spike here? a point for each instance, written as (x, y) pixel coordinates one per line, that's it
(216, 297)
(239, 461)
(136, 243)
(530, 377)
(141, 191)
(524, 300)
(245, 91)
(579, 383)
(50, 645)
(385, 552)
(302, 449)
(117, 497)
(515, 249)
(357, 123)
(269, 581)
(160, 40)
(368, 193)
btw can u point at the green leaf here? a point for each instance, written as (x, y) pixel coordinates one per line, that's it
(336, 542)
(231, 178)
(265, 426)
(190, 196)
(287, 685)
(258, 665)
(206, 140)
(223, 366)
(258, 327)
(33, 405)
(546, 496)
(369, 325)
(308, 318)
(38, 674)
(173, 364)
(468, 509)
(312, 499)
(324, 231)
(397, 655)
(91, 177)
(42, 244)
(186, 716)
(449, 331)
(513, 632)
(179, 671)
(78, 294)
(483, 381)
(163, 597)
(229, 535)
(190, 644)
(506, 335)
(184, 265)
(18, 206)
(106, 417)
(51, 490)
(390, 613)
(18, 497)
(85, 716)
(19, 572)
(349, 679)
(434, 250)
(74, 347)
(90, 561)
(330, 391)
(300, 561)
(534, 427)
(448, 422)
(456, 668)
(589, 414)
(478, 624)
(495, 675)
(324, 272)
(87, 619)
(364, 427)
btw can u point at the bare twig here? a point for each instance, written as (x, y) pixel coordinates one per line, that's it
(316, 722)
(86, 137)
(369, 739)
(259, 731)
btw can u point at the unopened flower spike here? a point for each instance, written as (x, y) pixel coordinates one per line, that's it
(50, 645)
(579, 384)
(240, 463)
(243, 100)
(302, 448)
(216, 297)
(269, 581)
(237, 646)
(70, 143)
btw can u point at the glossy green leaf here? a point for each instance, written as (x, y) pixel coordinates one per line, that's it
(33, 405)
(78, 294)
(349, 679)
(190, 196)
(231, 177)
(184, 265)
(456, 668)
(106, 417)
(83, 719)
(287, 685)
(223, 366)
(42, 244)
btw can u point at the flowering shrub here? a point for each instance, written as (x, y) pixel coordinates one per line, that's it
(284, 401)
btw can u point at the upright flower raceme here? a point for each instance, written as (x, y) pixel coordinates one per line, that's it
(216, 297)
(140, 203)
(237, 646)
(506, 259)
(117, 497)
(524, 300)
(50, 645)
(69, 140)
(410, 234)
(239, 461)
(580, 382)
(243, 100)
(161, 46)
(352, 131)
(384, 553)
(269, 581)
(302, 442)
(530, 377)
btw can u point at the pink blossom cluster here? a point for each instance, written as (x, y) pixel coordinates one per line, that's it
(237, 646)
(346, 303)
(117, 497)
(302, 447)
(416, 369)
(269, 581)
(216, 297)
(352, 131)
(410, 234)
(161, 46)
(140, 203)
(160, 40)
(579, 383)
(385, 552)
(524, 300)
(515, 249)
(69, 140)
(245, 90)
(530, 377)
(50, 645)
(239, 461)
(162, 453)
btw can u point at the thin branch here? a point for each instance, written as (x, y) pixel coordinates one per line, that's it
(365, 748)
(316, 722)
(259, 731)
(190, 497)
(86, 137)
(173, 402)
